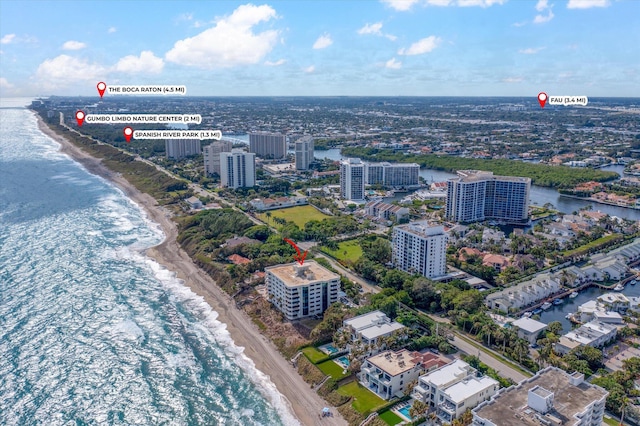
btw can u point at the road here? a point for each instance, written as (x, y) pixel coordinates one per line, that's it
(367, 287)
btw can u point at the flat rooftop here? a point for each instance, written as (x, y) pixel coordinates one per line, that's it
(378, 330)
(393, 363)
(366, 320)
(457, 369)
(469, 387)
(569, 400)
(294, 275)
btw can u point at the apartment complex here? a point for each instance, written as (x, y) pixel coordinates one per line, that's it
(398, 175)
(181, 148)
(389, 373)
(477, 195)
(352, 179)
(237, 169)
(524, 293)
(211, 154)
(304, 153)
(270, 146)
(370, 329)
(378, 209)
(300, 291)
(551, 397)
(420, 248)
(453, 389)
(594, 333)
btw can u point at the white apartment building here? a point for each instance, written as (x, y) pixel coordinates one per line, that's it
(524, 293)
(370, 328)
(237, 169)
(268, 145)
(304, 153)
(420, 248)
(352, 179)
(181, 148)
(478, 195)
(594, 333)
(551, 397)
(389, 373)
(529, 329)
(300, 291)
(453, 389)
(396, 175)
(211, 154)
(381, 210)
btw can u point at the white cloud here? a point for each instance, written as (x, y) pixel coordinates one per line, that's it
(512, 80)
(541, 19)
(73, 45)
(309, 69)
(481, 3)
(393, 64)
(531, 50)
(112, 30)
(401, 5)
(276, 63)
(439, 2)
(519, 24)
(230, 43)
(147, 62)
(323, 42)
(586, 4)
(425, 45)
(375, 29)
(542, 5)
(8, 38)
(65, 70)
(4, 84)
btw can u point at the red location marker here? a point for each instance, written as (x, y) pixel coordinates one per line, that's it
(80, 116)
(101, 88)
(300, 257)
(542, 99)
(128, 132)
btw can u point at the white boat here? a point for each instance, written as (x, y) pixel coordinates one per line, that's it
(574, 294)
(527, 315)
(619, 287)
(568, 316)
(546, 305)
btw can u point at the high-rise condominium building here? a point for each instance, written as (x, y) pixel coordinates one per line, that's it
(237, 169)
(393, 175)
(211, 155)
(352, 179)
(181, 148)
(300, 291)
(268, 145)
(477, 195)
(420, 248)
(304, 153)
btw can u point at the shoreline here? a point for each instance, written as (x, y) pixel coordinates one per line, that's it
(298, 397)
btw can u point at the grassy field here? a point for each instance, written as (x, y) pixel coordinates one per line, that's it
(602, 241)
(348, 251)
(390, 418)
(364, 400)
(298, 215)
(314, 355)
(332, 369)
(609, 421)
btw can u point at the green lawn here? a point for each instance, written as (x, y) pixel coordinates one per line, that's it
(348, 251)
(314, 355)
(608, 420)
(330, 368)
(390, 418)
(298, 215)
(364, 400)
(602, 241)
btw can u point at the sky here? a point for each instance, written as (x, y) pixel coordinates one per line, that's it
(323, 48)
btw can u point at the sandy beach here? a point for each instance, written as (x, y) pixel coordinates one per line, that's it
(302, 400)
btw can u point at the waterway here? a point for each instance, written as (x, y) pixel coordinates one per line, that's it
(569, 306)
(539, 195)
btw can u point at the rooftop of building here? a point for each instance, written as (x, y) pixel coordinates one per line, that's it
(457, 369)
(468, 387)
(294, 274)
(366, 320)
(421, 228)
(529, 325)
(510, 406)
(481, 175)
(393, 363)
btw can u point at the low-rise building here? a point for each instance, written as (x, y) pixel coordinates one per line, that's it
(551, 397)
(593, 333)
(370, 328)
(194, 203)
(262, 204)
(300, 291)
(529, 329)
(524, 293)
(389, 373)
(381, 210)
(454, 388)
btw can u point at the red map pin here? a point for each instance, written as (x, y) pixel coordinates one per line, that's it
(542, 99)
(80, 117)
(128, 132)
(101, 88)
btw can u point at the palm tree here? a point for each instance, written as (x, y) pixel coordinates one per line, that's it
(268, 215)
(521, 347)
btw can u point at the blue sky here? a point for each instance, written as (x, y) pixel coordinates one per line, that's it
(340, 47)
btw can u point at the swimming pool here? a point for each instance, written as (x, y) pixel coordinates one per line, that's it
(328, 349)
(344, 361)
(405, 412)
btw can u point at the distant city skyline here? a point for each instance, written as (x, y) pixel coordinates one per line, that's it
(332, 48)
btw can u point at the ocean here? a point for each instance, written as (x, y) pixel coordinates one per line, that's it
(91, 330)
